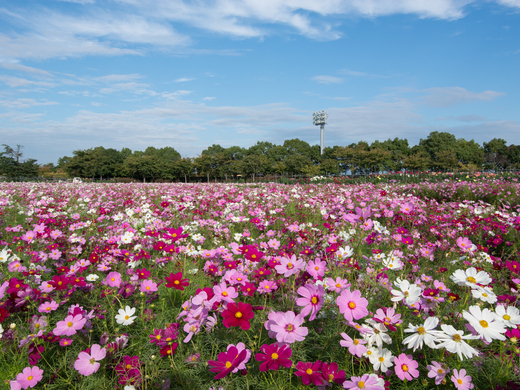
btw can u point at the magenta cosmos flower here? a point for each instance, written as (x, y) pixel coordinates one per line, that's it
(406, 367)
(69, 325)
(312, 300)
(227, 361)
(274, 356)
(352, 305)
(461, 380)
(238, 314)
(365, 382)
(87, 363)
(310, 372)
(29, 377)
(287, 327)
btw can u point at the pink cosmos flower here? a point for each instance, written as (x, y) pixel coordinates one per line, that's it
(312, 300)
(29, 377)
(87, 363)
(352, 305)
(288, 328)
(148, 286)
(114, 279)
(47, 307)
(437, 371)
(355, 347)
(69, 325)
(337, 285)
(316, 268)
(464, 243)
(288, 267)
(406, 367)
(266, 286)
(365, 382)
(225, 293)
(461, 380)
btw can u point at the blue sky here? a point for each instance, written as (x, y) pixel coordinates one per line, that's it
(188, 74)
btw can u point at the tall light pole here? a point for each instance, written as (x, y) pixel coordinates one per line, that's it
(320, 119)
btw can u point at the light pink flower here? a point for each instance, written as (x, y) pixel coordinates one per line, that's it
(29, 377)
(114, 279)
(461, 380)
(288, 267)
(225, 293)
(352, 305)
(365, 382)
(337, 285)
(288, 328)
(316, 268)
(437, 371)
(87, 364)
(355, 347)
(148, 286)
(69, 325)
(47, 307)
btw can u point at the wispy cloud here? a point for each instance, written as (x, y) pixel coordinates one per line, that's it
(117, 78)
(328, 79)
(360, 74)
(450, 96)
(16, 82)
(24, 103)
(23, 68)
(183, 79)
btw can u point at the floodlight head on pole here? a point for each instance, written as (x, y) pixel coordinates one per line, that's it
(320, 119)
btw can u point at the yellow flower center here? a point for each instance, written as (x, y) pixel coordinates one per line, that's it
(289, 328)
(456, 337)
(421, 330)
(176, 282)
(225, 293)
(471, 279)
(69, 324)
(158, 337)
(238, 314)
(404, 367)
(29, 378)
(440, 370)
(381, 359)
(361, 384)
(228, 364)
(351, 305)
(314, 300)
(506, 317)
(338, 285)
(127, 317)
(355, 342)
(290, 265)
(459, 381)
(308, 371)
(484, 324)
(274, 356)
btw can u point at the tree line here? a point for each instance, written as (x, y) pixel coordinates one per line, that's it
(440, 151)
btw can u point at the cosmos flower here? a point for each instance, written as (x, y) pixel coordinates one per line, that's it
(311, 300)
(485, 323)
(352, 305)
(274, 356)
(87, 363)
(125, 316)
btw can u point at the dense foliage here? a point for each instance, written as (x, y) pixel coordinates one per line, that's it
(169, 286)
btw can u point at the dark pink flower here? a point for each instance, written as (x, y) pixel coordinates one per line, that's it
(226, 362)
(274, 356)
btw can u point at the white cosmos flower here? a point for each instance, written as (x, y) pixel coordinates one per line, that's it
(377, 334)
(382, 360)
(411, 293)
(453, 340)
(423, 333)
(485, 294)
(485, 323)
(509, 315)
(92, 277)
(125, 316)
(470, 277)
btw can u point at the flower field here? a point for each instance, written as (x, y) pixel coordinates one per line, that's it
(267, 286)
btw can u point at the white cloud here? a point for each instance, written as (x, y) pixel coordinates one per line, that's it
(360, 74)
(209, 98)
(16, 82)
(24, 103)
(137, 88)
(117, 77)
(510, 3)
(450, 96)
(327, 79)
(183, 79)
(23, 68)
